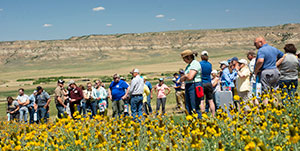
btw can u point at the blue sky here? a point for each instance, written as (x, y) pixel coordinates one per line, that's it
(61, 19)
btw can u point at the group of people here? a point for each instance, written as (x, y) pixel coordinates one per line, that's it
(268, 69)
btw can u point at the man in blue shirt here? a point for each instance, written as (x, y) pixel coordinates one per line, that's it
(206, 81)
(148, 108)
(265, 66)
(117, 93)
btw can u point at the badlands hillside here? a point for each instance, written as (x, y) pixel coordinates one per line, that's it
(125, 46)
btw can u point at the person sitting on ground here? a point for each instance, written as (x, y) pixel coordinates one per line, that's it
(99, 94)
(117, 93)
(161, 95)
(23, 101)
(42, 102)
(288, 67)
(12, 109)
(206, 69)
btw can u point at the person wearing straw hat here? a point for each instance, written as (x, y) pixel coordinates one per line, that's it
(192, 79)
(243, 80)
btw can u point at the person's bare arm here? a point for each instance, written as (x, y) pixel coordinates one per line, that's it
(61, 101)
(279, 61)
(20, 103)
(126, 94)
(14, 111)
(153, 89)
(189, 77)
(215, 83)
(109, 93)
(47, 104)
(27, 102)
(258, 65)
(169, 90)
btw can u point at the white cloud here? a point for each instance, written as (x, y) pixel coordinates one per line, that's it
(47, 25)
(1, 9)
(227, 10)
(108, 25)
(98, 8)
(160, 16)
(172, 19)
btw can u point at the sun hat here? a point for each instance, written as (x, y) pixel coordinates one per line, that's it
(135, 71)
(161, 79)
(225, 63)
(214, 72)
(71, 82)
(204, 53)
(187, 52)
(243, 61)
(145, 77)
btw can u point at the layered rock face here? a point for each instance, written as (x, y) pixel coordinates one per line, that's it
(101, 46)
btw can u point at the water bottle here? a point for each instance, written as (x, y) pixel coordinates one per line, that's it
(8, 116)
(35, 116)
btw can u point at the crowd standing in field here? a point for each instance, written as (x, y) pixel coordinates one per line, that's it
(266, 71)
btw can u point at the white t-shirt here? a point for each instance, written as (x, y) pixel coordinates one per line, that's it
(23, 98)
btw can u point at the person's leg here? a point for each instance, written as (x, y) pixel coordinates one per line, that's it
(121, 107)
(21, 110)
(195, 101)
(43, 114)
(140, 106)
(26, 114)
(59, 110)
(163, 102)
(178, 104)
(149, 104)
(188, 105)
(293, 88)
(31, 113)
(183, 100)
(114, 109)
(133, 103)
(83, 108)
(145, 108)
(94, 108)
(158, 102)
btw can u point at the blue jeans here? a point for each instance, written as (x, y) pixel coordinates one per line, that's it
(42, 114)
(93, 106)
(149, 103)
(31, 113)
(136, 106)
(23, 114)
(81, 108)
(60, 111)
(291, 88)
(192, 102)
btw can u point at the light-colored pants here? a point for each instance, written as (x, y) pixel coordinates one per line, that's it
(180, 99)
(23, 113)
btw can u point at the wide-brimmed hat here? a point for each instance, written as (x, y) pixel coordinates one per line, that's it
(187, 52)
(243, 61)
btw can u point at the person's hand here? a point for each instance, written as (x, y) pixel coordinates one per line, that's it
(124, 97)
(237, 68)
(45, 106)
(99, 98)
(73, 100)
(151, 97)
(65, 106)
(12, 112)
(110, 97)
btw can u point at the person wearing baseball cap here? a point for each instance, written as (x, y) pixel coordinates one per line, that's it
(161, 95)
(192, 79)
(31, 106)
(42, 102)
(136, 91)
(207, 86)
(243, 80)
(226, 77)
(59, 94)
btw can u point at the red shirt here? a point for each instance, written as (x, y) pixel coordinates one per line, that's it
(76, 94)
